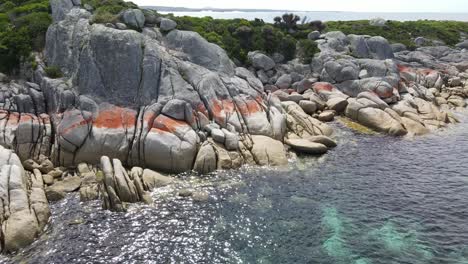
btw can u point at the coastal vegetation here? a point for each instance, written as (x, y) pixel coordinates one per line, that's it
(23, 24)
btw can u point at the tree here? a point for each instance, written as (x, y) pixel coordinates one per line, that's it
(15, 45)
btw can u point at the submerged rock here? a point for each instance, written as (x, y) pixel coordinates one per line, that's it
(307, 146)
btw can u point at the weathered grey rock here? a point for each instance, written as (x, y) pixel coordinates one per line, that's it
(413, 127)
(46, 166)
(358, 46)
(463, 45)
(3, 77)
(314, 35)
(167, 24)
(218, 135)
(339, 71)
(335, 41)
(284, 81)
(200, 51)
(305, 85)
(30, 165)
(177, 109)
(54, 194)
(56, 173)
(397, 47)
(379, 48)
(185, 193)
(374, 118)
(306, 146)
(337, 104)
(278, 57)
(378, 22)
(454, 82)
(206, 160)
(295, 97)
(121, 26)
(133, 18)
(420, 41)
(200, 196)
(68, 184)
(327, 116)
(268, 152)
(60, 9)
(262, 76)
(231, 140)
(328, 142)
(24, 209)
(302, 124)
(261, 61)
(308, 106)
(375, 100)
(48, 179)
(152, 179)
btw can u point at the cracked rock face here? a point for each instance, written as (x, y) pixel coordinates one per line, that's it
(142, 100)
(24, 209)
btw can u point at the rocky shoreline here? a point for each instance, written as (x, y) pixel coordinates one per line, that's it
(133, 103)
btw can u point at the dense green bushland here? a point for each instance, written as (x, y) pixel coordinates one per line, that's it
(23, 25)
(405, 32)
(106, 11)
(239, 36)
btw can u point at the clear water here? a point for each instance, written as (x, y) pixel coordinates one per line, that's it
(374, 199)
(329, 15)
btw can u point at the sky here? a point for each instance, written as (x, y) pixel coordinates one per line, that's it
(458, 6)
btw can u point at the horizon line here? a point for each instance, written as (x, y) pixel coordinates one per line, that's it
(196, 9)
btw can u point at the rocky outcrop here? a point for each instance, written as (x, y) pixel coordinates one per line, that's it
(24, 210)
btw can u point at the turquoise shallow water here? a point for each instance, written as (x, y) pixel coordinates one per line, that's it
(374, 199)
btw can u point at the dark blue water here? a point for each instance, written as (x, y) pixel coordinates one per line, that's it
(374, 199)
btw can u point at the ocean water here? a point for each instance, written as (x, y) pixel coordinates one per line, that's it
(329, 16)
(373, 200)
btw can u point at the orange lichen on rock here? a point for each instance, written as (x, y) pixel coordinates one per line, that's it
(115, 117)
(323, 86)
(249, 107)
(164, 124)
(221, 109)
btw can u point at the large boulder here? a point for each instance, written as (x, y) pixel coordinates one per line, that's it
(267, 151)
(60, 8)
(206, 160)
(367, 113)
(379, 48)
(463, 45)
(261, 61)
(200, 51)
(24, 209)
(133, 18)
(167, 24)
(339, 71)
(306, 146)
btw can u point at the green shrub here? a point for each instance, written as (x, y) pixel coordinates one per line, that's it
(7, 6)
(53, 72)
(15, 44)
(404, 32)
(37, 24)
(30, 8)
(308, 49)
(111, 6)
(104, 17)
